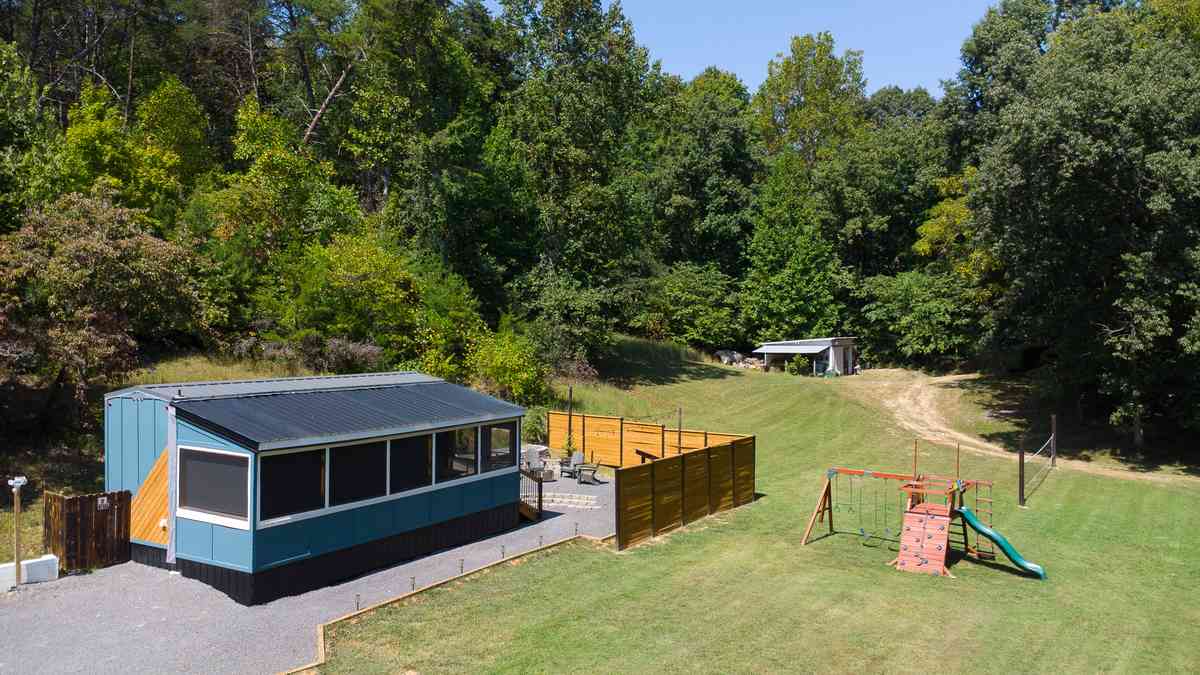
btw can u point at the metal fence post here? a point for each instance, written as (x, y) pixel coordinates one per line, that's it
(1021, 473)
(1053, 441)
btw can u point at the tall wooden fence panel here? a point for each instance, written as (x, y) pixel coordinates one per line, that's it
(743, 471)
(617, 442)
(668, 493)
(720, 482)
(635, 505)
(664, 494)
(87, 531)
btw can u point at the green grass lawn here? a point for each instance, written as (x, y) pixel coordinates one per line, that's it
(737, 592)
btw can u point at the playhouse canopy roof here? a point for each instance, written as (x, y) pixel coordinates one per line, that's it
(303, 411)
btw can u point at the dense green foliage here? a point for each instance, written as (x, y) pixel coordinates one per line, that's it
(435, 185)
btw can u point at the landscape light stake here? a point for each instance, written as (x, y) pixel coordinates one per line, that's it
(413, 582)
(460, 566)
(16, 483)
(357, 602)
(502, 551)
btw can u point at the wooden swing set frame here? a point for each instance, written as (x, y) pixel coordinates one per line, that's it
(917, 486)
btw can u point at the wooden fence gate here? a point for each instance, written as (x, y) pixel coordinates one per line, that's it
(87, 531)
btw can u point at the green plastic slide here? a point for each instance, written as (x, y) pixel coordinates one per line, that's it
(999, 540)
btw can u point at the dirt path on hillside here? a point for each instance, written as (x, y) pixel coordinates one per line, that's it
(913, 401)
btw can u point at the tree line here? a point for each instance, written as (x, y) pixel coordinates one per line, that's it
(489, 197)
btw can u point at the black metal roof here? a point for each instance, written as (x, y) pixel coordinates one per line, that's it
(287, 419)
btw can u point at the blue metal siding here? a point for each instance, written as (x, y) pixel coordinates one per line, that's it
(323, 534)
(112, 444)
(213, 544)
(135, 434)
(188, 434)
(206, 542)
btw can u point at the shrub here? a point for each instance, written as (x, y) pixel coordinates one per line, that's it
(506, 365)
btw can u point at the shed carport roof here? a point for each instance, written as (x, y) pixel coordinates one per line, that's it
(791, 349)
(327, 415)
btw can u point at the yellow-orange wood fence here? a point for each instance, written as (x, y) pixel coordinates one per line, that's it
(664, 494)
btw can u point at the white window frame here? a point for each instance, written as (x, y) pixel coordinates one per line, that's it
(213, 518)
(517, 452)
(389, 495)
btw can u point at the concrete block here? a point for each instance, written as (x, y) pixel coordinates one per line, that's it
(35, 570)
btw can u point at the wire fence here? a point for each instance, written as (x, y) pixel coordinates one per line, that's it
(1034, 467)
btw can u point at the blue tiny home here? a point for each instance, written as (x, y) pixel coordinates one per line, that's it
(266, 488)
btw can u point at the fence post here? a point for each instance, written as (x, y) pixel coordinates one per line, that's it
(1021, 473)
(583, 434)
(1053, 441)
(620, 508)
(621, 444)
(570, 413)
(708, 470)
(653, 515)
(679, 434)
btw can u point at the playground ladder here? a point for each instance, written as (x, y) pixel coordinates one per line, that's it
(984, 548)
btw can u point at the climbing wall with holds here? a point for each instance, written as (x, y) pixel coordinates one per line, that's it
(924, 540)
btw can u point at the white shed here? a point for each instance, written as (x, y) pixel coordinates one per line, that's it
(829, 355)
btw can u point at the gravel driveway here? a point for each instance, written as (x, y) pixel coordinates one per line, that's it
(135, 618)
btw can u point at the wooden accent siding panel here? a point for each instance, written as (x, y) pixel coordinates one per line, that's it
(635, 499)
(668, 494)
(149, 506)
(743, 471)
(720, 470)
(695, 485)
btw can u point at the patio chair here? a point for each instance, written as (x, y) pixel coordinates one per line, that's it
(587, 473)
(570, 466)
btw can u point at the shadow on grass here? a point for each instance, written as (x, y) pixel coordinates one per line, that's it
(1016, 401)
(635, 361)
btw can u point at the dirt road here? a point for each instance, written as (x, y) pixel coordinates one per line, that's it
(918, 402)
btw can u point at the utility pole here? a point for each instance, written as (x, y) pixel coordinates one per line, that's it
(15, 484)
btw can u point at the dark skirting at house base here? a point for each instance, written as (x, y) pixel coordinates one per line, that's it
(323, 570)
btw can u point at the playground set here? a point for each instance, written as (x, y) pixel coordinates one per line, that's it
(930, 508)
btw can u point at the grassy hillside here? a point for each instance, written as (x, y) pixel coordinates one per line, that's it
(737, 593)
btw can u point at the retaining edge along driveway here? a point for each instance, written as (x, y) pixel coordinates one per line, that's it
(321, 654)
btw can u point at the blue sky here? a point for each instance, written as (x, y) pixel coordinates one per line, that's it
(905, 43)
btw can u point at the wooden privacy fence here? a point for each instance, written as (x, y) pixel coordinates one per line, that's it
(616, 441)
(668, 493)
(87, 531)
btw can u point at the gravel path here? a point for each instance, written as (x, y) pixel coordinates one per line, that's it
(137, 619)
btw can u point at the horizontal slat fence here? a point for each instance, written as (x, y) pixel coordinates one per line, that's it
(616, 441)
(87, 531)
(668, 493)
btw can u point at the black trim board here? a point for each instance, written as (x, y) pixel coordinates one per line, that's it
(310, 574)
(153, 556)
